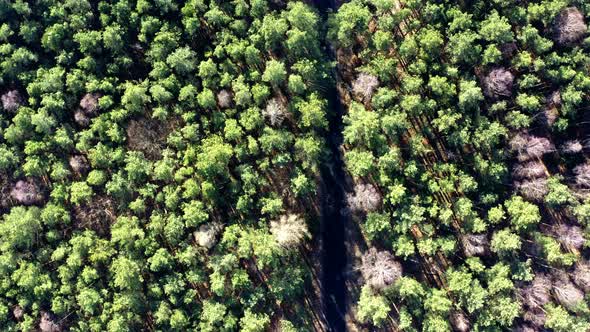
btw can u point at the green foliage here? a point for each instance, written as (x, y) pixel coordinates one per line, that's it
(372, 308)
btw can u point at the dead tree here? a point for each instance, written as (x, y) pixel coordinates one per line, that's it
(566, 293)
(582, 175)
(364, 86)
(366, 198)
(498, 84)
(530, 170)
(475, 244)
(289, 231)
(571, 147)
(459, 321)
(533, 190)
(569, 27)
(26, 192)
(89, 103)
(581, 275)
(224, 99)
(206, 235)
(11, 101)
(48, 324)
(79, 164)
(537, 293)
(380, 269)
(275, 112)
(569, 236)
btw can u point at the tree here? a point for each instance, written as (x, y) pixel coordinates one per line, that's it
(275, 73)
(496, 28)
(289, 230)
(523, 214)
(379, 269)
(372, 308)
(569, 26)
(350, 20)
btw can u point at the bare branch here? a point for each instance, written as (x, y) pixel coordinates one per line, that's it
(498, 83)
(569, 26)
(289, 231)
(11, 100)
(380, 269)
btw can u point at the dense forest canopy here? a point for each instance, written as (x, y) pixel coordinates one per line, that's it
(163, 164)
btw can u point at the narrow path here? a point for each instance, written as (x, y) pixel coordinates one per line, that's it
(334, 251)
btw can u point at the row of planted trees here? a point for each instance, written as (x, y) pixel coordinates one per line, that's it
(158, 164)
(465, 134)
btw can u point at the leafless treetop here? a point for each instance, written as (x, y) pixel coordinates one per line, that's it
(572, 147)
(365, 198)
(569, 26)
(89, 103)
(569, 236)
(290, 230)
(11, 100)
(365, 85)
(380, 269)
(275, 112)
(26, 192)
(224, 98)
(498, 83)
(475, 244)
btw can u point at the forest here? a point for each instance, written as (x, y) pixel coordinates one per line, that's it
(276, 165)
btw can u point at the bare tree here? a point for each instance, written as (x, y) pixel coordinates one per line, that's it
(206, 235)
(582, 173)
(81, 118)
(89, 103)
(459, 321)
(572, 147)
(98, 214)
(366, 198)
(537, 294)
(224, 98)
(534, 190)
(289, 231)
(150, 135)
(538, 146)
(554, 99)
(79, 164)
(525, 328)
(519, 142)
(569, 26)
(380, 269)
(548, 117)
(475, 244)
(581, 275)
(48, 323)
(365, 85)
(508, 50)
(11, 100)
(566, 293)
(26, 192)
(530, 170)
(528, 147)
(498, 83)
(536, 317)
(18, 312)
(569, 236)
(275, 112)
